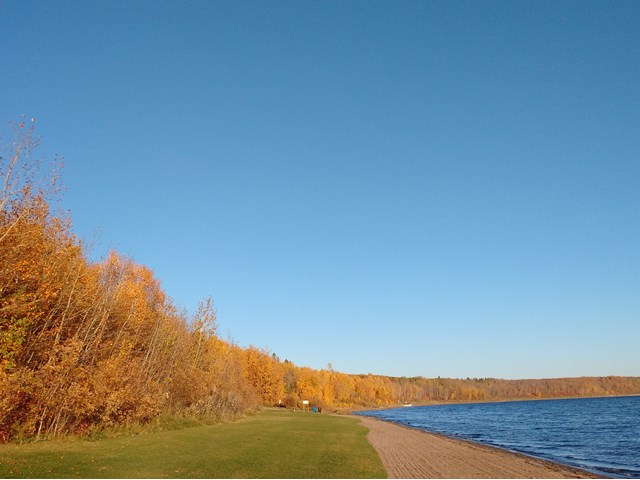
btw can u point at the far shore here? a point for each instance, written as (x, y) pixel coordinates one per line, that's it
(411, 453)
(468, 402)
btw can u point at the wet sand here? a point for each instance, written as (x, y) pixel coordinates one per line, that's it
(412, 453)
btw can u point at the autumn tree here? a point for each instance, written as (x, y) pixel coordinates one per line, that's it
(87, 345)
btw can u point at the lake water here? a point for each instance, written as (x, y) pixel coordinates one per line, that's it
(601, 435)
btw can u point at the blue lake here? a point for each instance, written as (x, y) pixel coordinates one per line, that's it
(601, 435)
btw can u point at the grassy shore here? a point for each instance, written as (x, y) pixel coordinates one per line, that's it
(270, 444)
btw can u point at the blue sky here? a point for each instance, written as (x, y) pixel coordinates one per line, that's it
(402, 188)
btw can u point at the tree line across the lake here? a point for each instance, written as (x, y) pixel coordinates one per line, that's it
(90, 345)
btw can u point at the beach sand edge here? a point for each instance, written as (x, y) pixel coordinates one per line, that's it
(411, 453)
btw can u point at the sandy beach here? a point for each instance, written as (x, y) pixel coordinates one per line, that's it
(411, 453)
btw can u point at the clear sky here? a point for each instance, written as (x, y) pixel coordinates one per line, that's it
(403, 188)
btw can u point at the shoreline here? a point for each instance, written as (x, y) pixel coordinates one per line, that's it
(413, 453)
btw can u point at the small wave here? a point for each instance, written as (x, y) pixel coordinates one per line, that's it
(618, 472)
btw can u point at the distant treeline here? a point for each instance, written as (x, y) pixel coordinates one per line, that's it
(88, 345)
(276, 381)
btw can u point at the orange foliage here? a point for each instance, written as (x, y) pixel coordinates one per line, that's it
(86, 345)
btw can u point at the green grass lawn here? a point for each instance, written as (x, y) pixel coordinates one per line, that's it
(270, 444)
